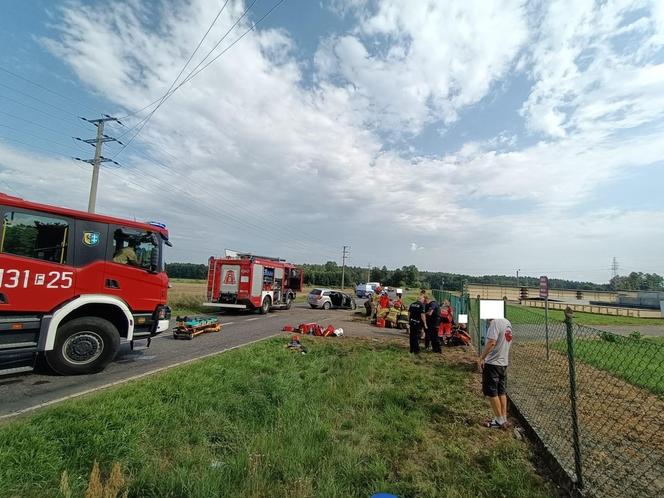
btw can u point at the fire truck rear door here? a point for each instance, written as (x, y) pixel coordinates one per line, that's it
(230, 279)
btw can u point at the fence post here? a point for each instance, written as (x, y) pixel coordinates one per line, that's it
(572, 385)
(479, 327)
(546, 324)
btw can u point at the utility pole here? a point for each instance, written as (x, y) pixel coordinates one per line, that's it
(343, 266)
(368, 272)
(614, 272)
(517, 277)
(98, 159)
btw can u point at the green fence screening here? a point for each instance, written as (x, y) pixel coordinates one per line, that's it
(459, 303)
(595, 400)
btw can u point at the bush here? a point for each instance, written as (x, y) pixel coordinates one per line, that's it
(608, 336)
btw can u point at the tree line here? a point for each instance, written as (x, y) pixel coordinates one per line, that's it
(329, 275)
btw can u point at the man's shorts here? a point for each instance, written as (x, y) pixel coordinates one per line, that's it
(494, 380)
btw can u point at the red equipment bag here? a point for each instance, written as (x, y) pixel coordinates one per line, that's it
(307, 328)
(329, 331)
(288, 328)
(380, 322)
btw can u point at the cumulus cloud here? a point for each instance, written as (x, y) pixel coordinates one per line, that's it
(594, 68)
(411, 63)
(248, 156)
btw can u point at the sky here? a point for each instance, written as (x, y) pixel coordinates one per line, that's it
(460, 136)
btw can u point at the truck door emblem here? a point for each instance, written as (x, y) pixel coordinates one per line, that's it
(91, 238)
(229, 279)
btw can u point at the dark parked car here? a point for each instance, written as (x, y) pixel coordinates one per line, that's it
(328, 298)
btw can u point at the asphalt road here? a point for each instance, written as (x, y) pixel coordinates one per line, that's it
(27, 392)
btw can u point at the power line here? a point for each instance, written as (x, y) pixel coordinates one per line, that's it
(244, 224)
(47, 151)
(261, 216)
(186, 64)
(58, 118)
(34, 135)
(10, 187)
(45, 88)
(195, 72)
(38, 100)
(34, 123)
(166, 95)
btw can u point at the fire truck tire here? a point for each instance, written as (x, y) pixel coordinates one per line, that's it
(83, 345)
(289, 301)
(265, 307)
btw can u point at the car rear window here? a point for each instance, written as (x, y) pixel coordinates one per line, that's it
(316, 292)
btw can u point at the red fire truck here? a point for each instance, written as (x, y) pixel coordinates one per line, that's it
(247, 281)
(73, 285)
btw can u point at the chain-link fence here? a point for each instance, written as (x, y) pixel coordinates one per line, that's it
(594, 399)
(459, 303)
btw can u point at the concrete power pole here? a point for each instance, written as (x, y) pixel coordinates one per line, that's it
(343, 266)
(98, 159)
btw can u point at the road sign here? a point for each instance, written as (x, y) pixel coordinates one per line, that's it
(544, 287)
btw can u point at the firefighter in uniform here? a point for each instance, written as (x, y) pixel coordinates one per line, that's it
(447, 320)
(416, 321)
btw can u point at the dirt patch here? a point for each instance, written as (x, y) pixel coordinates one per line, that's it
(621, 425)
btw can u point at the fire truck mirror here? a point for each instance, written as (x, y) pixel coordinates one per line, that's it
(154, 255)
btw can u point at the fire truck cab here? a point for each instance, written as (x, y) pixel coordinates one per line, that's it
(74, 285)
(247, 281)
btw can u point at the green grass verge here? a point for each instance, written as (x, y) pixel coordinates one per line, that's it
(348, 419)
(521, 314)
(637, 361)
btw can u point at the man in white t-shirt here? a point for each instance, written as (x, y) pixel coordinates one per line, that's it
(493, 363)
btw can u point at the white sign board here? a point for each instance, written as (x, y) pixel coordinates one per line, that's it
(492, 308)
(463, 319)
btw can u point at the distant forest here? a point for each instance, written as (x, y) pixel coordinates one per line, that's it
(329, 275)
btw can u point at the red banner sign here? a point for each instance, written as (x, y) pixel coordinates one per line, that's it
(544, 287)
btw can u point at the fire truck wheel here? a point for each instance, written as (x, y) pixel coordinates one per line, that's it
(289, 302)
(84, 345)
(265, 307)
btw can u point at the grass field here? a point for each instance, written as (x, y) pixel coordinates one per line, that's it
(349, 419)
(516, 314)
(637, 361)
(186, 296)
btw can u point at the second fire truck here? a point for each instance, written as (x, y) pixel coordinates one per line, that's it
(250, 282)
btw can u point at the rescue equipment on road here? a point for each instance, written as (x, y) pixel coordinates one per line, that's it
(315, 330)
(189, 327)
